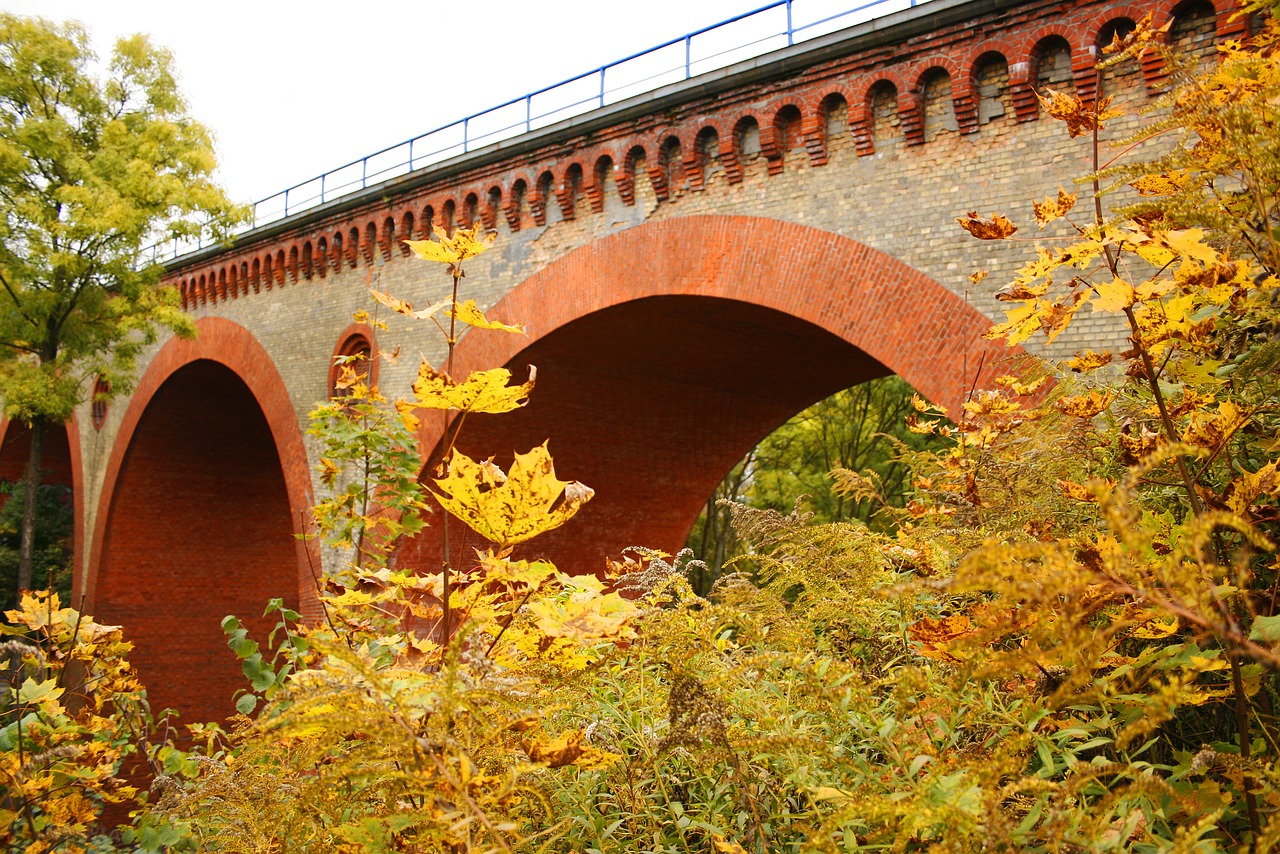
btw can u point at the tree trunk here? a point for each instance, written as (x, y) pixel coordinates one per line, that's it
(31, 491)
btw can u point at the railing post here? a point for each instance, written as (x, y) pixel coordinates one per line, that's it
(466, 135)
(528, 113)
(602, 86)
(791, 32)
(322, 177)
(364, 173)
(411, 155)
(688, 51)
(286, 202)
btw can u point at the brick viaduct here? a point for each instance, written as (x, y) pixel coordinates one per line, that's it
(693, 266)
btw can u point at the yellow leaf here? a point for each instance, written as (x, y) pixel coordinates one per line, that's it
(509, 508)
(1189, 243)
(725, 846)
(1051, 209)
(1163, 184)
(568, 749)
(997, 229)
(1211, 429)
(934, 635)
(469, 314)
(1070, 109)
(483, 391)
(1085, 406)
(402, 307)
(1116, 295)
(1088, 361)
(1077, 491)
(430, 250)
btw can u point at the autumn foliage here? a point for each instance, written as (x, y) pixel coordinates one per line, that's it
(1066, 639)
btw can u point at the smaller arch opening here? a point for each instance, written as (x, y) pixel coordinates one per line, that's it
(322, 257)
(470, 211)
(255, 277)
(602, 178)
(939, 110)
(707, 146)
(294, 267)
(544, 205)
(353, 247)
(886, 122)
(388, 237)
(672, 164)
(352, 361)
(991, 85)
(1126, 71)
(406, 232)
(1195, 30)
(428, 222)
(835, 120)
(747, 138)
(573, 185)
(307, 259)
(519, 204)
(1052, 61)
(447, 214)
(370, 241)
(492, 208)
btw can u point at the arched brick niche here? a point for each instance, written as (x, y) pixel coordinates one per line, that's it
(666, 351)
(205, 492)
(356, 340)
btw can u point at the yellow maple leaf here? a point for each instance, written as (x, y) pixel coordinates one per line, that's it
(723, 845)
(513, 507)
(465, 243)
(471, 315)
(998, 228)
(1115, 295)
(1051, 208)
(406, 308)
(1211, 429)
(1085, 406)
(1162, 184)
(1070, 109)
(934, 635)
(483, 391)
(1189, 243)
(1088, 360)
(568, 749)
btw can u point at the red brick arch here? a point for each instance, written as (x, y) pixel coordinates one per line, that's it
(195, 520)
(666, 351)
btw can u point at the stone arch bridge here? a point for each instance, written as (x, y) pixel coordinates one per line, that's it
(693, 266)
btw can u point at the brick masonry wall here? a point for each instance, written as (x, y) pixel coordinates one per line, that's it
(837, 148)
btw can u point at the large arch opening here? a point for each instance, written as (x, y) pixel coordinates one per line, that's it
(668, 350)
(650, 403)
(204, 498)
(58, 533)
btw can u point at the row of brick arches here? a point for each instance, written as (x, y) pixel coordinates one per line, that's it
(961, 89)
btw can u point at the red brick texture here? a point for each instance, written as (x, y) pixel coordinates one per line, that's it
(666, 351)
(790, 114)
(199, 516)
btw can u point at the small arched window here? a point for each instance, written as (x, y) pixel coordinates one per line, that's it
(352, 361)
(98, 405)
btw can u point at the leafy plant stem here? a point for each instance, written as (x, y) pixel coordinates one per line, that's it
(1242, 723)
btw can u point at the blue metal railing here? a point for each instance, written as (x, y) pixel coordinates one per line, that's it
(518, 115)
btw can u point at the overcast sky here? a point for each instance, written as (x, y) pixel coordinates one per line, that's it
(292, 89)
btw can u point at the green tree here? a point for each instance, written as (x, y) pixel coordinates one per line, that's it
(862, 429)
(92, 167)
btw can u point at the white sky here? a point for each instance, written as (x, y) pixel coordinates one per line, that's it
(292, 89)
